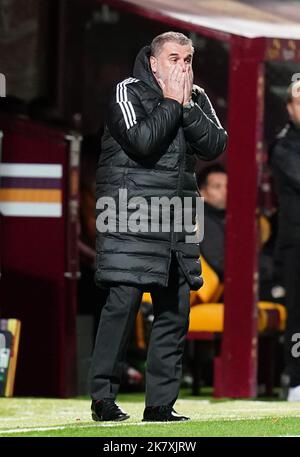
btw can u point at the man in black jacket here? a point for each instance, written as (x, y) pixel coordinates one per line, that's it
(158, 125)
(285, 161)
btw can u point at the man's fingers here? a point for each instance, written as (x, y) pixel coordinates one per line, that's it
(186, 87)
(182, 79)
(174, 85)
(187, 81)
(171, 71)
(191, 76)
(175, 74)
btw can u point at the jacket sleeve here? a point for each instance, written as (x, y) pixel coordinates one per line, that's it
(287, 161)
(140, 134)
(202, 128)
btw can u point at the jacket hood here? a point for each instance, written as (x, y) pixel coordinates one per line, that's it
(142, 69)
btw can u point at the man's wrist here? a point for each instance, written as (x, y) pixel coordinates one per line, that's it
(168, 97)
(189, 105)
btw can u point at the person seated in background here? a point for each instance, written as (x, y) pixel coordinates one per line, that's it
(212, 183)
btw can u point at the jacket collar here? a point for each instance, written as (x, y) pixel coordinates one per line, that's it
(214, 211)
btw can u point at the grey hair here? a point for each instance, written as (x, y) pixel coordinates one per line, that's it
(160, 40)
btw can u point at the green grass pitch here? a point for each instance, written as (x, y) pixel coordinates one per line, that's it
(209, 418)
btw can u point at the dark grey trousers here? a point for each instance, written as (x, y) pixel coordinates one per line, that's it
(171, 306)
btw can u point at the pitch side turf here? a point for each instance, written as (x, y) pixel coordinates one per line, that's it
(71, 417)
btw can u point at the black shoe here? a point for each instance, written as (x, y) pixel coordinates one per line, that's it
(162, 414)
(107, 410)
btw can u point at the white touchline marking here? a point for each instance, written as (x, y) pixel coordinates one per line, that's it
(73, 426)
(34, 429)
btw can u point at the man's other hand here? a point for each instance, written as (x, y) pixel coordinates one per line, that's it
(188, 85)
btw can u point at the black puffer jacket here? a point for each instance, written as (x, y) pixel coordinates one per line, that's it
(285, 162)
(150, 147)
